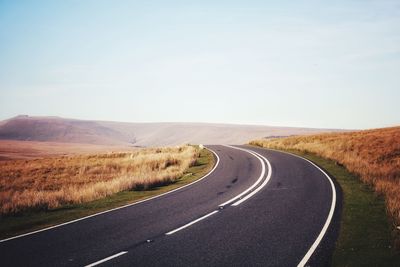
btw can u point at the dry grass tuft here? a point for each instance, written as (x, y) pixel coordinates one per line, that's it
(373, 155)
(49, 183)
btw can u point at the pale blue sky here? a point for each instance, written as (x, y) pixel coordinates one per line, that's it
(332, 64)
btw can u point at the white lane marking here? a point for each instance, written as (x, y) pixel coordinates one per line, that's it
(107, 259)
(328, 220)
(122, 207)
(191, 223)
(255, 184)
(258, 156)
(260, 187)
(330, 215)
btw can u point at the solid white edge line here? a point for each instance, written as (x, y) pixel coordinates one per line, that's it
(107, 259)
(328, 220)
(261, 186)
(330, 215)
(118, 208)
(254, 185)
(191, 223)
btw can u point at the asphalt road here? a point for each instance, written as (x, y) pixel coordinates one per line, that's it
(284, 220)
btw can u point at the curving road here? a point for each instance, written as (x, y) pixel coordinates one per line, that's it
(257, 207)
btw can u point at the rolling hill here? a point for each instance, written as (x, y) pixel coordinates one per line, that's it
(56, 129)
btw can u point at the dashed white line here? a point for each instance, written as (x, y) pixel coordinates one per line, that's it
(191, 223)
(107, 259)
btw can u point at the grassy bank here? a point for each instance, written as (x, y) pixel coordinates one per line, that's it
(30, 220)
(49, 183)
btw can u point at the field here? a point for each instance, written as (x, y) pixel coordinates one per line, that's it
(372, 155)
(48, 183)
(14, 149)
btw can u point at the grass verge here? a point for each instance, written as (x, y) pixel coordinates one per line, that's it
(365, 229)
(33, 220)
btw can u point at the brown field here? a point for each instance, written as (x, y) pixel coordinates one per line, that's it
(373, 155)
(49, 183)
(14, 149)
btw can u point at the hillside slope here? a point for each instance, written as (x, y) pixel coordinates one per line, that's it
(59, 130)
(56, 129)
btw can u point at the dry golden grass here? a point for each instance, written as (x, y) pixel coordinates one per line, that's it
(51, 182)
(13, 149)
(373, 155)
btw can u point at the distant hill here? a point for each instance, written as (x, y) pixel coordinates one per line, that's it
(57, 129)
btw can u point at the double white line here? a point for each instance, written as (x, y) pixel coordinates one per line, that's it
(252, 190)
(242, 197)
(248, 193)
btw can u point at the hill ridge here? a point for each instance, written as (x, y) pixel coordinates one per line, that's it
(58, 129)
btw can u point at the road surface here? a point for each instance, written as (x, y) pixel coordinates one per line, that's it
(256, 208)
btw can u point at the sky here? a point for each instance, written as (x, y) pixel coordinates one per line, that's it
(323, 64)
